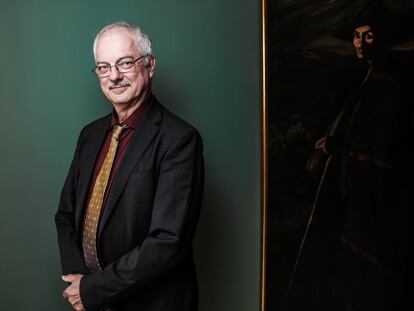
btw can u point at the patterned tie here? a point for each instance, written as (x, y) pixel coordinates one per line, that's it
(95, 204)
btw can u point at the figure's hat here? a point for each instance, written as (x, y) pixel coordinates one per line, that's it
(389, 27)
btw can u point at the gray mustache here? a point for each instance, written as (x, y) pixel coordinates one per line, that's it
(120, 84)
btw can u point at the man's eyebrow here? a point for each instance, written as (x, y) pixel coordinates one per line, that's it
(364, 31)
(126, 57)
(118, 60)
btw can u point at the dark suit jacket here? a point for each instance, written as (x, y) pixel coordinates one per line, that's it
(147, 227)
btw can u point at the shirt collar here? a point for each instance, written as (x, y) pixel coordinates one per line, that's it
(135, 118)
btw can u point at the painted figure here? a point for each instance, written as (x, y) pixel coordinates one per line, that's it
(359, 218)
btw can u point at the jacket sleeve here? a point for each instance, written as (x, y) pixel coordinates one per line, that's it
(71, 258)
(169, 242)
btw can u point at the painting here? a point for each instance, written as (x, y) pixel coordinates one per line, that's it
(337, 171)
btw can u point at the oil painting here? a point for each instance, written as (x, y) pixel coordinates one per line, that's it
(338, 125)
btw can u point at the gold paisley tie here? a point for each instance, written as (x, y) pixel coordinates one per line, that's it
(89, 239)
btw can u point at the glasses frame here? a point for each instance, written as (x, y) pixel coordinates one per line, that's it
(116, 65)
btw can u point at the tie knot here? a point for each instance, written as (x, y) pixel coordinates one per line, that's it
(116, 132)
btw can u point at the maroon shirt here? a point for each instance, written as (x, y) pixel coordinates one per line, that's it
(132, 122)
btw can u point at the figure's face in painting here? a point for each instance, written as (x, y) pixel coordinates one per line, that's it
(363, 41)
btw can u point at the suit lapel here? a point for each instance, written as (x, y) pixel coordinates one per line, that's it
(141, 139)
(91, 152)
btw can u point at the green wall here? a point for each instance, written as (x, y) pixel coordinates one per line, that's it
(208, 72)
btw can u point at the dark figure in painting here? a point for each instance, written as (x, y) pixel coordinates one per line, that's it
(358, 235)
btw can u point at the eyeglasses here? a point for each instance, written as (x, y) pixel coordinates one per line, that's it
(103, 70)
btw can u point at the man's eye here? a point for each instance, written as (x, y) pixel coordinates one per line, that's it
(126, 64)
(369, 36)
(102, 68)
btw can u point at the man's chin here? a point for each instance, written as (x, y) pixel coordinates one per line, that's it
(359, 55)
(119, 98)
(119, 101)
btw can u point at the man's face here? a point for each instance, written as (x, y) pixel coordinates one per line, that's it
(114, 47)
(363, 41)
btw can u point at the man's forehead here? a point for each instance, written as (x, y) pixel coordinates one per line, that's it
(363, 28)
(116, 43)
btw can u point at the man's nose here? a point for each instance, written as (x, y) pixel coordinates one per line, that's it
(115, 74)
(358, 42)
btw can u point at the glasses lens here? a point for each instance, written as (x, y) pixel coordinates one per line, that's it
(102, 69)
(125, 65)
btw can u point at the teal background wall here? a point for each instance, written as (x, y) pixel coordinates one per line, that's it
(208, 72)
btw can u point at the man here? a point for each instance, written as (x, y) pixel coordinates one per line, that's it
(130, 204)
(360, 219)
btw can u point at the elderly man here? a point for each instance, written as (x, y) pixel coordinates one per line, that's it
(130, 204)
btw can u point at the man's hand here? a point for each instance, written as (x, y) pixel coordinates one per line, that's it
(321, 145)
(329, 144)
(71, 293)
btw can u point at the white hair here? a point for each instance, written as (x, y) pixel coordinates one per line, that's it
(142, 39)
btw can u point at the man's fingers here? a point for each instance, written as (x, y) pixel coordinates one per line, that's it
(71, 277)
(69, 292)
(74, 300)
(320, 142)
(321, 145)
(68, 278)
(78, 306)
(65, 293)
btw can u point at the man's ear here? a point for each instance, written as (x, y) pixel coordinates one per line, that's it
(151, 66)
